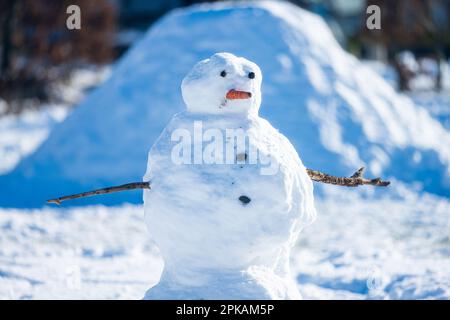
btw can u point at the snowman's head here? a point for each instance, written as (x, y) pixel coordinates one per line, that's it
(223, 84)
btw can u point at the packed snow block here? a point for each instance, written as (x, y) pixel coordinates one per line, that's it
(338, 113)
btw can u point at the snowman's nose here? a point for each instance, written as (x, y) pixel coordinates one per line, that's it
(236, 94)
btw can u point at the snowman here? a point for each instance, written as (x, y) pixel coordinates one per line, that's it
(229, 193)
(226, 194)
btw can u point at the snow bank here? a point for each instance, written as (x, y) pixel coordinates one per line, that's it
(338, 113)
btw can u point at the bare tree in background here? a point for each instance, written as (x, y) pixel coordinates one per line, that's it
(37, 50)
(408, 24)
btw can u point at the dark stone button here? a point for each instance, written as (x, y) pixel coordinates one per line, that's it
(244, 199)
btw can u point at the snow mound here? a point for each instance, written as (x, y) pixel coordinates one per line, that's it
(21, 134)
(337, 112)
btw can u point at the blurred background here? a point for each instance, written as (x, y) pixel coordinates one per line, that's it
(38, 53)
(79, 110)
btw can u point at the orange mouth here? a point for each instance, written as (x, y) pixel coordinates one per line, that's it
(236, 94)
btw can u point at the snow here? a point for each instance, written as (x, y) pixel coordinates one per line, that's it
(438, 104)
(388, 248)
(205, 87)
(214, 246)
(358, 248)
(20, 135)
(306, 73)
(86, 253)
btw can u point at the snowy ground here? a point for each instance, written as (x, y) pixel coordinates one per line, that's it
(357, 249)
(378, 248)
(83, 253)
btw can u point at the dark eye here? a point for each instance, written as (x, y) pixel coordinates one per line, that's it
(223, 73)
(251, 75)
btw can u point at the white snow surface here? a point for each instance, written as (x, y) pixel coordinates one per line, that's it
(215, 246)
(338, 113)
(86, 253)
(358, 248)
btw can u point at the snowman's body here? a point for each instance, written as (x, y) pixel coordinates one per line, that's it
(225, 229)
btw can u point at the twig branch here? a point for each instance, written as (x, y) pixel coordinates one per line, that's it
(123, 187)
(354, 180)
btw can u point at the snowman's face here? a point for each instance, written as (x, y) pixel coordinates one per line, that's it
(223, 84)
